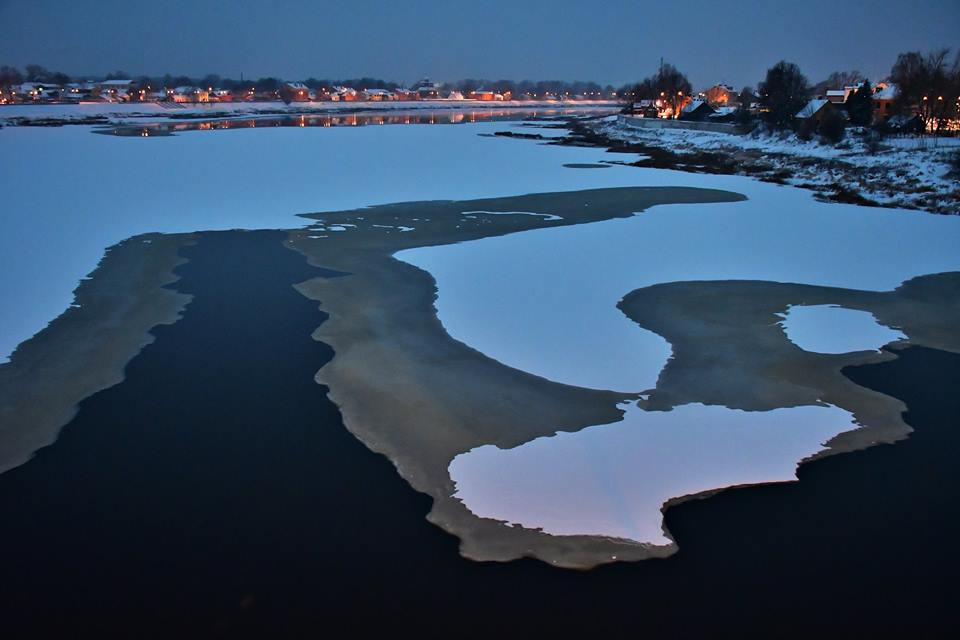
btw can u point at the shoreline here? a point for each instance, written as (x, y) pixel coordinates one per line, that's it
(852, 172)
(119, 113)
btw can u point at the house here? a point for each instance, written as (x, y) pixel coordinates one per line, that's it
(720, 95)
(37, 91)
(343, 94)
(426, 89)
(645, 109)
(723, 114)
(485, 95)
(884, 95)
(404, 94)
(454, 95)
(295, 92)
(115, 90)
(815, 110)
(836, 96)
(221, 95)
(377, 95)
(189, 94)
(696, 110)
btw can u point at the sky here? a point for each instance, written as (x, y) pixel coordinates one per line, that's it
(609, 41)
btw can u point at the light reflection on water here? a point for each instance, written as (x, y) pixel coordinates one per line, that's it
(445, 116)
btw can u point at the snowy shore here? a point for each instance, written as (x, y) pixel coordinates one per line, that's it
(114, 113)
(902, 172)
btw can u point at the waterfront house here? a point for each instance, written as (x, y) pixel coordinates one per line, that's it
(115, 90)
(190, 94)
(720, 95)
(486, 95)
(696, 110)
(295, 92)
(377, 95)
(427, 89)
(815, 110)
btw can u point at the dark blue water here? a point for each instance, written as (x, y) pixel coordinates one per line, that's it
(215, 493)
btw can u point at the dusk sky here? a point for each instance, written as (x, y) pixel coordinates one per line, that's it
(615, 41)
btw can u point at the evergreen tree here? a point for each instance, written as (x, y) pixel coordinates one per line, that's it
(860, 106)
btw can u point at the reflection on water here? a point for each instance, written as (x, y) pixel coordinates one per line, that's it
(448, 116)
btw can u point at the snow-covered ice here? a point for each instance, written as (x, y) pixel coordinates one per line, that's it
(828, 328)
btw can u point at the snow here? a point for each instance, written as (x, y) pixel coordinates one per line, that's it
(561, 285)
(69, 194)
(613, 480)
(833, 329)
(903, 172)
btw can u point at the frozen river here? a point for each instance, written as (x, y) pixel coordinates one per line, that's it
(542, 301)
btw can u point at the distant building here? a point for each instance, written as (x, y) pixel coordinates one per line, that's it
(720, 95)
(816, 110)
(404, 94)
(377, 95)
(295, 92)
(189, 94)
(836, 96)
(884, 95)
(485, 95)
(696, 110)
(115, 90)
(427, 89)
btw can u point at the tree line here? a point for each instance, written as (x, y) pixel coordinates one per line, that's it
(928, 87)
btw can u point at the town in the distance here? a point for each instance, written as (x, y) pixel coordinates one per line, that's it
(921, 94)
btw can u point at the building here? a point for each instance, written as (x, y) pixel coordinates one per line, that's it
(115, 90)
(836, 96)
(720, 95)
(189, 94)
(377, 95)
(816, 110)
(427, 89)
(696, 110)
(485, 95)
(884, 95)
(295, 92)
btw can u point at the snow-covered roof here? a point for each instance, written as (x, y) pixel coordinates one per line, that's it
(887, 92)
(115, 83)
(184, 89)
(722, 111)
(374, 92)
(296, 85)
(692, 106)
(811, 108)
(836, 92)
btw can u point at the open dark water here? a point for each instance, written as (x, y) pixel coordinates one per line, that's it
(215, 493)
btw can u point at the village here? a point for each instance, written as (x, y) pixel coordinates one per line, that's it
(666, 99)
(120, 90)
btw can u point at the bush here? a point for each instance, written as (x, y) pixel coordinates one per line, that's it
(955, 164)
(833, 127)
(806, 130)
(874, 141)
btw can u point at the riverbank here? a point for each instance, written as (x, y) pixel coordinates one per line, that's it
(894, 172)
(116, 113)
